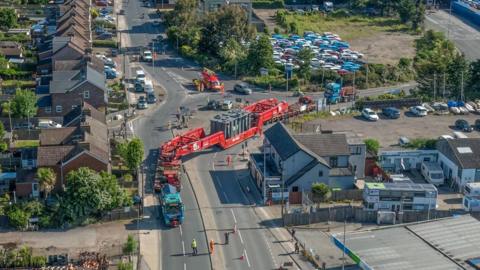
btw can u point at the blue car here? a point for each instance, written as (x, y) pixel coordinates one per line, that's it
(391, 112)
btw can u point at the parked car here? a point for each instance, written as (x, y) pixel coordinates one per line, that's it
(463, 125)
(369, 114)
(142, 103)
(477, 124)
(138, 87)
(105, 35)
(113, 52)
(24, 125)
(418, 111)
(242, 88)
(151, 98)
(48, 124)
(403, 141)
(391, 112)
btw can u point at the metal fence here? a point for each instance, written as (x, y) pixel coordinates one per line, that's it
(358, 214)
(121, 213)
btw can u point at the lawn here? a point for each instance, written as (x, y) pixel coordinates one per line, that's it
(26, 143)
(349, 28)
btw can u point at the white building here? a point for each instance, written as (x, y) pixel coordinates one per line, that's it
(460, 161)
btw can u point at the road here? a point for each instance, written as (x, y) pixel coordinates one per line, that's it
(462, 32)
(175, 242)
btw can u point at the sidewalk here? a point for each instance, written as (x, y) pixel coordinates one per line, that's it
(150, 235)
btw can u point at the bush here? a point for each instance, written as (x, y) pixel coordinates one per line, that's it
(18, 218)
(125, 266)
(187, 51)
(105, 24)
(422, 143)
(105, 43)
(265, 4)
(130, 246)
(340, 13)
(321, 192)
(372, 145)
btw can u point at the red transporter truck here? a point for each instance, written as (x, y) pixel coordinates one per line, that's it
(231, 128)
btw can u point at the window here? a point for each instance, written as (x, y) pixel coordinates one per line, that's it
(426, 159)
(320, 173)
(58, 108)
(333, 162)
(295, 189)
(86, 94)
(48, 109)
(356, 150)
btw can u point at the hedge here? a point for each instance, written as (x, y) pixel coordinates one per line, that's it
(265, 4)
(105, 43)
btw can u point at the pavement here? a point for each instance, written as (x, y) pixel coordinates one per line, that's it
(461, 31)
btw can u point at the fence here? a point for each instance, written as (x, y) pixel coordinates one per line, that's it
(352, 195)
(397, 103)
(121, 213)
(358, 214)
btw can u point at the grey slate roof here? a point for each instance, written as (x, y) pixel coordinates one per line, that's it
(64, 80)
(325, 145)
(281, 139)
(450, 148)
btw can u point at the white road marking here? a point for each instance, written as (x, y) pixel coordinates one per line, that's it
(240, 234)
(246, 257)
(183, 248)
(184, 266)
(181, 232)
(234, 218)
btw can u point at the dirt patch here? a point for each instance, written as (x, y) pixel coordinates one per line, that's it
(385, 47)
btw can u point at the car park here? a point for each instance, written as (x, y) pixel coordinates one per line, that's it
(142, 103)
(418, 111)
(242, 88)
(369, 114)
(391, 112)
(463, 125)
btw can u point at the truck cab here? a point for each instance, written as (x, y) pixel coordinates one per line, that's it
(335, 93)
(172, 206)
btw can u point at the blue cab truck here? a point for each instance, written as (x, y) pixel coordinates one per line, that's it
(335, 93)
(171, 206)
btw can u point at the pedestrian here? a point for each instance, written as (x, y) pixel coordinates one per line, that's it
(194, 247)
(293, 234)
(297, 249)
(229, 160)
(226, 237)
(212, 245)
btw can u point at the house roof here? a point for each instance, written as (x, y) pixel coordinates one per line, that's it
(10, 48)
(76, 42)
(325, 145)
(65, 80)
(301, 172)
(52, 155)
(463, 152)
(56, 136)
(281, 139)
(77, 64)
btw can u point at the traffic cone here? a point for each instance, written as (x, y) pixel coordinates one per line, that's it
(242, 257)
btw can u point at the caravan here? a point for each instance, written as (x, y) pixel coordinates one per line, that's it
(433, 173)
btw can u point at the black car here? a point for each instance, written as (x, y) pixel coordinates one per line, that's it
(151, 98)
(138, 87)
(142, 103)
(463, 125)
(391, 112)
(477, 124)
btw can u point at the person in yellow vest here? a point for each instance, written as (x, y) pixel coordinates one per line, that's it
(194, 247)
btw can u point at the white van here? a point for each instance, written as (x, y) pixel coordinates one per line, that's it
(148, 86)
(433, 173)
(48, 124)
(140, 76)
(472, 189)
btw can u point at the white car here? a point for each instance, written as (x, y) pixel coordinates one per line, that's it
(369, 114)
(147, 56)
(419, 111)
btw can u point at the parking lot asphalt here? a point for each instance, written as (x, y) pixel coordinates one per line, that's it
(388, 131)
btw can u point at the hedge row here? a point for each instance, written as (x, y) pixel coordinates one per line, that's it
(265, 4)
(105, 43)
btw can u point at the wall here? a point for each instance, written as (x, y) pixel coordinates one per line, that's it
(295, 163)
(84, 160)
(304, 183)
(342, 182)
(357, 159)
(448, 164)
(357, 214)
(391, 160)
(468, 176)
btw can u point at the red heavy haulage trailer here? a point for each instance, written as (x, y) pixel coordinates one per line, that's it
(231, 128)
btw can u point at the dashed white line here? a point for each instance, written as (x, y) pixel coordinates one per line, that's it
(181, 232)
(240, 235)
(183, 248)
(184, 266)
(234, 218)
(246, 257)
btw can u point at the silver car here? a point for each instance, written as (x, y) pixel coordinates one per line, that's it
(242, 88)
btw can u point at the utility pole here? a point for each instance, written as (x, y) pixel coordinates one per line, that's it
(153, 56)
(449, 19)
(366, 76)
(444, 83)
(434, 86)
(461, 88)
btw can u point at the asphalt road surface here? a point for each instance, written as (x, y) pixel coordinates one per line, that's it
(461, 31)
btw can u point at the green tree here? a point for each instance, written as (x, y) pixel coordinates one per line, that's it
(4, 203)
(125, 266)
(406, 10)
(24, 104)
(18, 218)
(8, 18)
(94, 13)
(260, 54)
(321, 192)
(232, 53)
(130, 246)
(132, 153)
(3, 144)
(47, 179)
(305, 57)
(372, 145)
(472, 90)
(419, 16)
